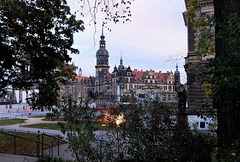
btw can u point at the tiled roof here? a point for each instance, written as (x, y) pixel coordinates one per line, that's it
(162, 76)
(81, 79)
(141, 74)
(137, 75)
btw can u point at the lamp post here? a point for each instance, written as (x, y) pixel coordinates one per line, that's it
(117, 124)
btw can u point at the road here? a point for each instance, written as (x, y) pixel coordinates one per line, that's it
(17, 111)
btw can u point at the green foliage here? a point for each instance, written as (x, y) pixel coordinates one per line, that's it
(149, 133)
(139, 133)
(206, 40)
(192, 6)
(36, 37)
(232, 154)
(204, 28)
(79, 129)
(225, 69)
(128, 98)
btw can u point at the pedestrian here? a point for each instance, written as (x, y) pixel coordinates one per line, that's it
(6, 106)
(30, 111)
(23, 107)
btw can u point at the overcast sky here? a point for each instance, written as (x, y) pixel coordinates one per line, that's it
(156, 38)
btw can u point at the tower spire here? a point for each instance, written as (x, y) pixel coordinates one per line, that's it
(102, 29)
(121, 63)
(121, 60)
(102, 41)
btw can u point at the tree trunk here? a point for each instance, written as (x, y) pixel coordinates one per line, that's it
(228, 113)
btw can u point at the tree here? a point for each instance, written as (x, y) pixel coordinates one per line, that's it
(226, 73)
(111, 11)
(36, 39)
(136, 133)
(149, 132)
(79, 130)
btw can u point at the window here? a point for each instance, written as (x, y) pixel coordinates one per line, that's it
(169, 87)
(164, 98)
(202, 124)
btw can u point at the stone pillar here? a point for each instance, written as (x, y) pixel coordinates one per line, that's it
(20, 96)
(182, 119)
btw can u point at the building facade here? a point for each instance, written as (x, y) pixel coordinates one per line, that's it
(195, 65)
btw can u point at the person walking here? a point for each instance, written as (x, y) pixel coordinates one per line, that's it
(30, 112)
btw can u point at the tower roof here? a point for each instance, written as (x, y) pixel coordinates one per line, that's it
(102, 46)
(121, 66)
(129, 69)
(177, 72)
(115, 69)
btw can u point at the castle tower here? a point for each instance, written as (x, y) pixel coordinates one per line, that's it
(177, 79)
(102, 55)
(80, 72)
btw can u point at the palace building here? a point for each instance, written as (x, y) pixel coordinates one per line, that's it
(122, 80)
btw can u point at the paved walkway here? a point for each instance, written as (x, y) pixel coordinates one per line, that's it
(16, 158)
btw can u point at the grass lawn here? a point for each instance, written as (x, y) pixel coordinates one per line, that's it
(56, 126)
(44, 126)
(12, 121)
(60, 119)
(23, 145)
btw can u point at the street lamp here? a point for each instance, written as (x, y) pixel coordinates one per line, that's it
(117, 124)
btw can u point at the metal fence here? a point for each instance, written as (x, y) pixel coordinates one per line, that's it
(38, 145)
